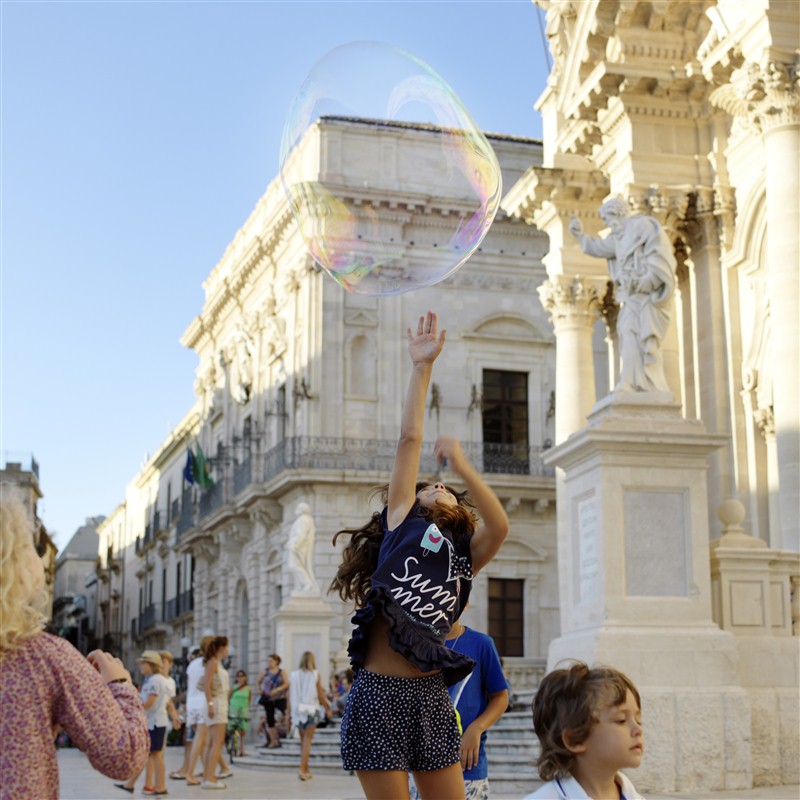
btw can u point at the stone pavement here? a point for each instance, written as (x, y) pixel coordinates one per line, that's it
(80, 782)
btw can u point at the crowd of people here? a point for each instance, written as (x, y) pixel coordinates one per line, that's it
(415, 707)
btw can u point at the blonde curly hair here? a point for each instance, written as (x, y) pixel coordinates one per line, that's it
(21, 605)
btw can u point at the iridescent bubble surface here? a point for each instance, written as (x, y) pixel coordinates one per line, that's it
(391, 181)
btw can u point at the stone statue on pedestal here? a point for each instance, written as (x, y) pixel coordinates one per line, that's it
(642, 264)
(301, 553)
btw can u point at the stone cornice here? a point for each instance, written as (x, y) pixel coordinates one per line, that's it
(643, 53)
(564, 189)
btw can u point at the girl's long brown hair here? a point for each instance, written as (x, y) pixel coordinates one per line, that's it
(360, 556)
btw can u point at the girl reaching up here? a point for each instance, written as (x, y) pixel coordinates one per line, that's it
(409, 571)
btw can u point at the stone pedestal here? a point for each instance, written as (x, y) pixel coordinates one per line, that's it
(303, 623)
(752, 596)
(635, 589)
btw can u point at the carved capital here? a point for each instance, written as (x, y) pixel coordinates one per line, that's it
(570, 300)
(764, 96)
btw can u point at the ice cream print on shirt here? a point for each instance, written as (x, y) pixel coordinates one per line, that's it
(432, 539)
(419, 591)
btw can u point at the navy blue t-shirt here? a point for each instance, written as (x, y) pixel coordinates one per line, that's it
(429, 579)
(420, 586)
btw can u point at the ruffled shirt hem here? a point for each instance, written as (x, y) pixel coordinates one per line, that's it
(420, 648)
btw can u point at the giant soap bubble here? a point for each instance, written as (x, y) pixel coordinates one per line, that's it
(390, 180)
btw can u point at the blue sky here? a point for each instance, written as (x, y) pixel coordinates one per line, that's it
(136, 139)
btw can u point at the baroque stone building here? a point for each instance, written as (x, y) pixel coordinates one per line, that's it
(687, 111)
(299, 389)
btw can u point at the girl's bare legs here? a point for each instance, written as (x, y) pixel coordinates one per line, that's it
(160, 772)
(150, 770)
(187, 755)
(380, 784)
(306, 735)
(216, 738)
(441, 784)
(198, 747)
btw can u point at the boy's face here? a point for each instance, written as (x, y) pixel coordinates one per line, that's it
(617, 739)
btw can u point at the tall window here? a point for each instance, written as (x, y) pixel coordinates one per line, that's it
(506, 617)
(505, 422)
(281, 411)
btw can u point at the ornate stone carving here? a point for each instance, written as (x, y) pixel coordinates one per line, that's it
(763, 95)
(765, 419)
(243, 349)
(568, 298)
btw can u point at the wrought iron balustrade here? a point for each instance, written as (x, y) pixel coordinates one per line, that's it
(186, 517)
(242, 474)
(211, 499)
(186, 601)
(320, 452)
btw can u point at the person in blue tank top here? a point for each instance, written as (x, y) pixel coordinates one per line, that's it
(409, 571)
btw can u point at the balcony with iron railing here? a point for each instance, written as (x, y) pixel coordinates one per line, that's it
(151, 616)
(179, 605)
(375, 455)
(326, 453)
(186, 517)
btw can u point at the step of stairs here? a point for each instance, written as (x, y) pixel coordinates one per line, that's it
(511, 749)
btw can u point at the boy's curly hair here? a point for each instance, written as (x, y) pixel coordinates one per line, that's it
(567, 702)
(360, 556)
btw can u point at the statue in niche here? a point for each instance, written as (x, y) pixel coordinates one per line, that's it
(243, 344)
(301, 553)
(642, 264)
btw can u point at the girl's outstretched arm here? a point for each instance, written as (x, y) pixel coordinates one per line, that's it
(423, 347)
(493, 529)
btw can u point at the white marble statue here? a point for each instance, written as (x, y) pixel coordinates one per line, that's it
(641, 263)
(301, 553)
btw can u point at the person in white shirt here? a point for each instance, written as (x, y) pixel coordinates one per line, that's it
(155, 695)
(589, 724)
(166, 665)
(306, 702)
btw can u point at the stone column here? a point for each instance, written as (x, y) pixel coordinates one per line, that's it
(779, 117)
(548, 197)
(574, 306)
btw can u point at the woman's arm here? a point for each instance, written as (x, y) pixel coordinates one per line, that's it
(211, 668)
(493, 529)
(105, 720)
(282, 686)
(322, 697)
(424, 348)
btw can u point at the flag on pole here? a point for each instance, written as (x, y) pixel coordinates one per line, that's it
(200, 469)
(188, 470)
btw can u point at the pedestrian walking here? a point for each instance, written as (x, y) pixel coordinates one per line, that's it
(155, 696)
(274, 684)
(239, 704)
(306, 703)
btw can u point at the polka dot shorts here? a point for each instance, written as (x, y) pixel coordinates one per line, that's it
(403, 724)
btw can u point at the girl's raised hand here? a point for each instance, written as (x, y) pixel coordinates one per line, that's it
(447, 450)
(428, 342)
